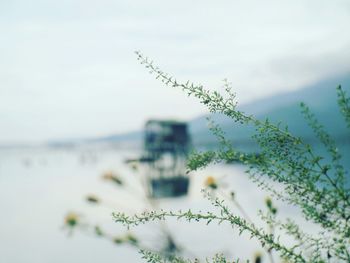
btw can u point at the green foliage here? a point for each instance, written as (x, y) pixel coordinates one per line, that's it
(344, 104)
(208, 217)
(319, 188)
(156, 258)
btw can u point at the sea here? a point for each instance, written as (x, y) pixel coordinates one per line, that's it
(40, 186)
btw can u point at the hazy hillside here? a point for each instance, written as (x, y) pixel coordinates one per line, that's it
(321, 98)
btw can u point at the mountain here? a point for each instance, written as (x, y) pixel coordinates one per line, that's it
(320, 97)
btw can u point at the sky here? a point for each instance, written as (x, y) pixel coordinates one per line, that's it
(68, 68)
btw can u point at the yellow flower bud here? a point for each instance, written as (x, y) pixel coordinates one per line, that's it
(71, 219)
(211, 182)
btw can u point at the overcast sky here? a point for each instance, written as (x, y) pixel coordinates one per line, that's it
(67, 68)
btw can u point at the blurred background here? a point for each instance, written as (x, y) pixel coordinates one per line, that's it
(74, 102)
